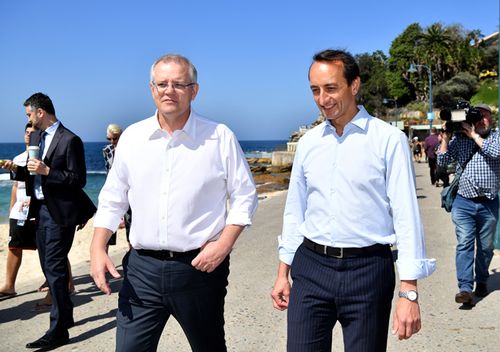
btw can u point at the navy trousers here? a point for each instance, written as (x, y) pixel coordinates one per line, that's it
(357, 292)
(154, 289)
(54, 243)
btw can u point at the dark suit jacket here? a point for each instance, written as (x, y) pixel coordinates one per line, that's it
(62, 188)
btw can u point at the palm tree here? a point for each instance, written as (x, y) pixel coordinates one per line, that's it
(434, 50)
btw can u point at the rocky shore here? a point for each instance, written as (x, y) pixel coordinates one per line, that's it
(269, 178)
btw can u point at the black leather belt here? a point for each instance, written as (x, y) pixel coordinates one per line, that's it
(165, 254)
(480, 199)
(347, 252)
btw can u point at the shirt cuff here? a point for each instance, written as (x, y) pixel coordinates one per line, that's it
(286, 258)
(415, 269)
(286, 252)
(238, 218)
(106, 221)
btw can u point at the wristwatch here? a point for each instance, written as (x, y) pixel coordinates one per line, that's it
(410, 295)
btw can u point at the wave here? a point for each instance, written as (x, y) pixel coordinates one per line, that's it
(96, 172)
(4, 177)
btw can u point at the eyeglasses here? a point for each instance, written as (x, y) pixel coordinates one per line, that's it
(176, 86)
(112, 138)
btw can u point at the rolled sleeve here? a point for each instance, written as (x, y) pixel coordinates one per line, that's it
(295, 208)
(113, 200)
(285, 254)
(412, 263)
(240, 185)
(241, 218)
(414, 269)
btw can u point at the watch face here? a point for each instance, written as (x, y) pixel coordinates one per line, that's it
(412, 295)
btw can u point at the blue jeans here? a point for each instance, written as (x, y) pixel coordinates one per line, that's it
(475, 223)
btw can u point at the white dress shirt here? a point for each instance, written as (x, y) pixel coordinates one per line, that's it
(355, 190)
(182, 188)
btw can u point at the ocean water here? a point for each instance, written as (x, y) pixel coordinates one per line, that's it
(96, 174)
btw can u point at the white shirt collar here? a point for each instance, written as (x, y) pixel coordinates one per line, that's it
(156, 131)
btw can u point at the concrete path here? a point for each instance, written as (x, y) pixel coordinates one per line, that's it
(251, 323)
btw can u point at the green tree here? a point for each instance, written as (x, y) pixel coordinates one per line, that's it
(402, 54)
(460, 87)
(434, 50)
(373, 84)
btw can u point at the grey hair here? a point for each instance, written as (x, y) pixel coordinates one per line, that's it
(193, 74)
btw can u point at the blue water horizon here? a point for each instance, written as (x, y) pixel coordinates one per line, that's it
(96, 173)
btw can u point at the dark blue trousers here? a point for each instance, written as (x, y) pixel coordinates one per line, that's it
(357, 292)
(154, 289)
(54, 243)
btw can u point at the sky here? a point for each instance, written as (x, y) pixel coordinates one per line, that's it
(93, 57)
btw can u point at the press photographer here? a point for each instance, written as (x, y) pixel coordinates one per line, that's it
(476, 148)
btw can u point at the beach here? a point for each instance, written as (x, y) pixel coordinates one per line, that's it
(252, 325)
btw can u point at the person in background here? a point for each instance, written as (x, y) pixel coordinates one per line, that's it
(55, 182)
(113, 133)
(21, 228)
(351, 196)
(442, 173)
(417, 150)
(192, 194)
(475, 208)
(22, 234)
(430, 144)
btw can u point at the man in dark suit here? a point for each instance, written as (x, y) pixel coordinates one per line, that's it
(55, 183)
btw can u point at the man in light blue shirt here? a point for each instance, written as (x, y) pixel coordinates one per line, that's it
(351, 196)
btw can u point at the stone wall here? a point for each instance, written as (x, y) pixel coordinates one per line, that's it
(282, 158)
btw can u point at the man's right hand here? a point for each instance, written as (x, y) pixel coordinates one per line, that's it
(100, 262)
(281, 293)
(281, 290)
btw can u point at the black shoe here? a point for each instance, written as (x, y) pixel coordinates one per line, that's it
(69, 323)
(481, 289)
(463, 297)
(48, 342)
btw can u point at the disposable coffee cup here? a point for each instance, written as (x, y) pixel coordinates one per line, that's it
(33, 153)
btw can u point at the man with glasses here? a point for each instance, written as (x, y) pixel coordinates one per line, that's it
(191, 193)
(351, 196)
(475, 208)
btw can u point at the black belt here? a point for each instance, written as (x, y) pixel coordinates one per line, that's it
(165, 254)
(480, 199)
(347, 252)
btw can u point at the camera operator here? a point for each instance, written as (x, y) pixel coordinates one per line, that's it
(475, 208)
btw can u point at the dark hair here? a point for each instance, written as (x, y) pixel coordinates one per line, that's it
(351, 68)
(40, 101)
(28, 125)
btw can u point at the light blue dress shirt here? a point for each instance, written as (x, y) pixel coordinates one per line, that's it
(50, 131)
(356, 190)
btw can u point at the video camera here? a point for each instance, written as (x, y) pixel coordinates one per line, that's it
(463, 113)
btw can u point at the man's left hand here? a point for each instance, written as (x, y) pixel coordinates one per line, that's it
(406, 321)
(210, 256)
